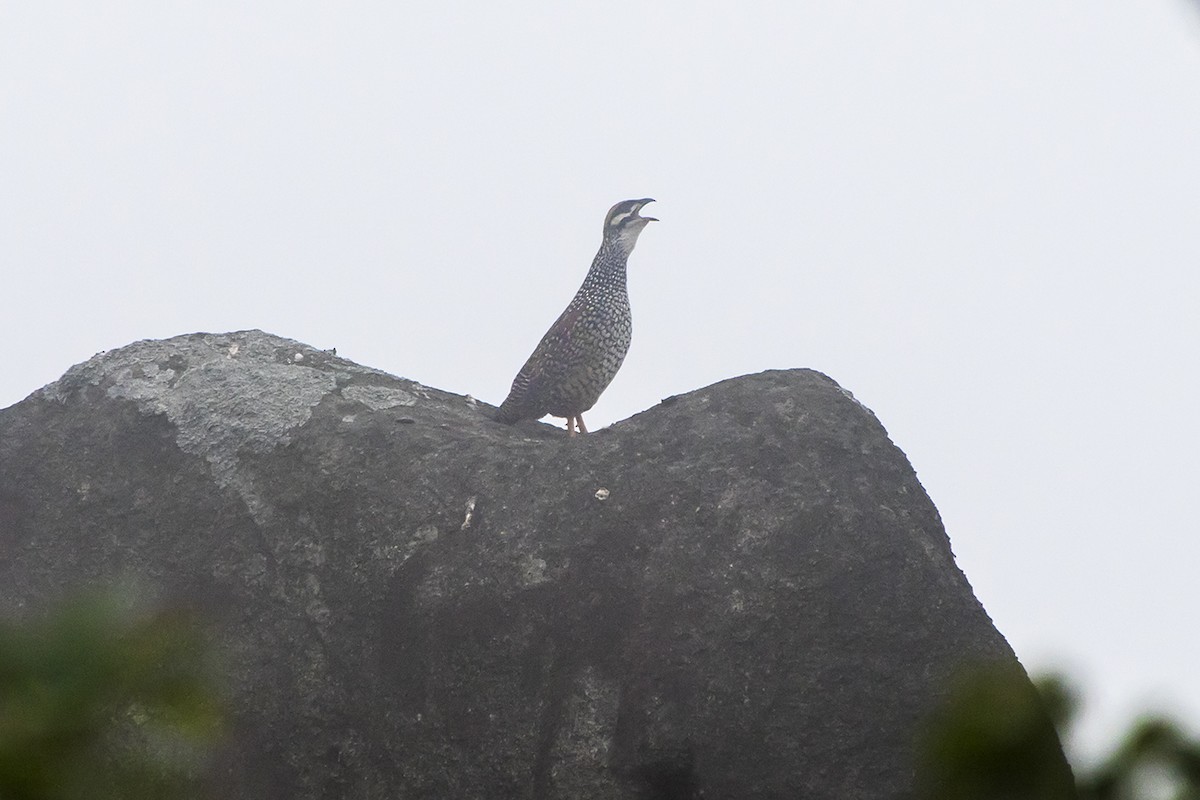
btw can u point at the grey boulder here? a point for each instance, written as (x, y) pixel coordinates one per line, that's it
(743, 592)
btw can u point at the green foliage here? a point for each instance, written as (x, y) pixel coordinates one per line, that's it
(104, 699)
(994, 738)
(101, 699)
(1156, 759)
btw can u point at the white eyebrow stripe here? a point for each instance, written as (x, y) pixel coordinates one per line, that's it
(619, 218)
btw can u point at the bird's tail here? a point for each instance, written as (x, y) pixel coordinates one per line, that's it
(508, 413)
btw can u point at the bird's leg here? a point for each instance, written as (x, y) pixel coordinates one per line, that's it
(570, 426)
(579, 419)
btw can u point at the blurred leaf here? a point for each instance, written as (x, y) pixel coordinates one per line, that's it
(993, 738)
(102, 698)
(1156, 759)
(1059, 699)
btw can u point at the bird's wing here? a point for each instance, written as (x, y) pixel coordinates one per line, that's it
(560, 332)
(547, 360)
(545, 365)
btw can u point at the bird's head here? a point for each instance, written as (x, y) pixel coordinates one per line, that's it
(622, 224)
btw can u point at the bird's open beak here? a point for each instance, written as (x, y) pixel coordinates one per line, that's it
(641, 205)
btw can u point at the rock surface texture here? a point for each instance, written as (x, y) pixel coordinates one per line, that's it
(743, 592)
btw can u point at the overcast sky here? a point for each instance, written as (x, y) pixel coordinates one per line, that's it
(981, 218)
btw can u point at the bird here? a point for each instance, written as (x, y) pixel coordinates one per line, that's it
(581, 353)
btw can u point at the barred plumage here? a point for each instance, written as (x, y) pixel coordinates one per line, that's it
(584, 348)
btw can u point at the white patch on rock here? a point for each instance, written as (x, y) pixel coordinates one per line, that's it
(470, 513)
(379, 398)
(392, 554)
(218, 405)
(737, 601)
(533, 571)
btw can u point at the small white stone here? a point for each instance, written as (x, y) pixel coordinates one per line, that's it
(602, 494)
(470, 513)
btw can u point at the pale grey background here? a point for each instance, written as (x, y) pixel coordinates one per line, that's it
(979, 217)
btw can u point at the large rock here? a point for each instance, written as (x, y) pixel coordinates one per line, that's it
(743, 592)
